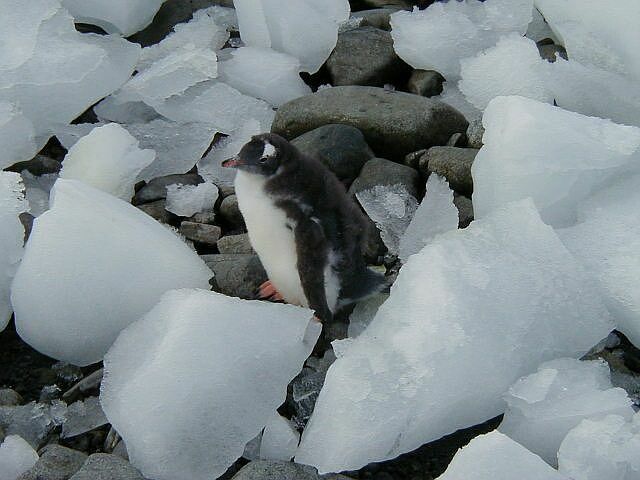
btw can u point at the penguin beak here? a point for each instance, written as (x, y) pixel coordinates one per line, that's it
(232, 162)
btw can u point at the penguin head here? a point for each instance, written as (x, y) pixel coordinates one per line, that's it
(262, 155)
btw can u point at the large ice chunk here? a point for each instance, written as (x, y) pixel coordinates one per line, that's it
(495, 456)
(597, 34)
(207, 30)
(171, 75)
(279, 440)
(217, 104)
(60, 72)
(154, 394)
(109, 159)
(558, 158)
(391, 207)
(88, 272)
(178, 146)
(436, 214)
(306, 29)
(264, 73)
(17, 137)
(12, 204)
(187, 200)
(16, 457)
(604, 448)
(438, 37)
(512, 67)
(544, 406)
(37, 189)
(210, 167)
(123, 17)
(606, 240)
(471, 313)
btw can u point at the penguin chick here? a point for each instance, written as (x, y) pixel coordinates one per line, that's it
(307, 231)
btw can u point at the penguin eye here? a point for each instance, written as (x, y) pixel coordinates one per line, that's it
(264, 159)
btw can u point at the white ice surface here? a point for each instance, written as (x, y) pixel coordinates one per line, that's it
(109, 159)
(606, 239)
(544, 406)
(187, 200)
(471, 313)
(88, 272)
(436, 214)
(12, 203)
(558, 158)
(305, 29)
(604, 448)
(494, 456)
(438, 37)
(279, 440)
(16, 457)
(199, 376)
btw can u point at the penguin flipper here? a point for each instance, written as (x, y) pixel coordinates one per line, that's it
(312, 253)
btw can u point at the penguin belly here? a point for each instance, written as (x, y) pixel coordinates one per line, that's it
(271, 235)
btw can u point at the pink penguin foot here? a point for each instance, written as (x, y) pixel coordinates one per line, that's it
(268, 292)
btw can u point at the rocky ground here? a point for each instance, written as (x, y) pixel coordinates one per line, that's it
(367, 138)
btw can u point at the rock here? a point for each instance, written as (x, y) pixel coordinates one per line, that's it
(398, 4)
(55, 463)
(27, 222)
(273, 470)
(102, 466)
(9, 398)
(236, 275)
(452, 163)
(475, 131)
(465, 210)
(235, 244)
(170, 14)
(393, 123)
(413, 159)
(201, 232)
(226, 190)
(230, 211)
(341, 148)
(365, 56)
(204, 217)
(375, 17)
(156, 210)
(457, 140)
(427, 83)
(156, 189)
(551, 51)
(39, 165)
(379, 171)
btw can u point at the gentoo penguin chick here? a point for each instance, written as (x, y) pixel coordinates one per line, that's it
(307, 231)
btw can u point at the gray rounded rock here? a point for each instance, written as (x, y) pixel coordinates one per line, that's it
(158, 211)
(272, 470)
(39, 165)
(475, 132)
(201, 233)
(465, 210)
(341, 148)
(427, 83)
(235, 244)
(452, 163)
(102, 466)
(55, 463)
(365, 56)
(236, 275)
(9, 397)
(393, 123)
(230, 211)
(379, 171)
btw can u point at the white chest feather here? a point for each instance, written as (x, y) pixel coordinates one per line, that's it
(271, 235)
